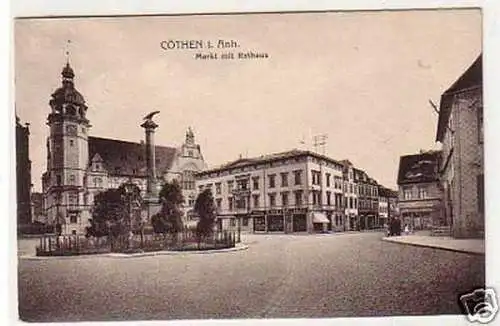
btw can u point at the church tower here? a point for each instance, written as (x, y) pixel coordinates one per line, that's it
(190, 149)
(67, 158)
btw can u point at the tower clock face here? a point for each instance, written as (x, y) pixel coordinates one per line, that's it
(71, 130)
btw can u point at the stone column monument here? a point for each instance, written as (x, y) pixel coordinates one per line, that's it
(151, 200)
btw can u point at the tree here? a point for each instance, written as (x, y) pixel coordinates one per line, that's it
(171, 199)
(159, 224)
(109, 213)
(205, 208)
(112, 211)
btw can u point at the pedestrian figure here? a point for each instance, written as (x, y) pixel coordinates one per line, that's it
(407, 230)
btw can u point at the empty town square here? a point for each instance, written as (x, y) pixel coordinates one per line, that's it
(301, 276)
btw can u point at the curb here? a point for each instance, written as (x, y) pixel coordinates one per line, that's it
(463, 251)
(177, 253)
(137, 255)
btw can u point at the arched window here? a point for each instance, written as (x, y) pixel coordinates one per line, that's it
(187, 181)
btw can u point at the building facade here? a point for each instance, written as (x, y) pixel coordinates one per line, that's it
(23, 175)
(294, 191)
(350, 196)
(388, 204)
(80, 166)
(37, 211)
(420, 195)
(368, 209)
(460, 131)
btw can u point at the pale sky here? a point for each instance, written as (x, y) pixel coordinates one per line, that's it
(363, 78)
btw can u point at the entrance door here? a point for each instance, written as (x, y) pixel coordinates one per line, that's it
(299, 223)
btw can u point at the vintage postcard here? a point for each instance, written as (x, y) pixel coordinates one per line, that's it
(251, 166)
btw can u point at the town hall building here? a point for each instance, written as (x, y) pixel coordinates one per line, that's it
(79, 166)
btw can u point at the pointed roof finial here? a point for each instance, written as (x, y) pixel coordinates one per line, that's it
(67, 52)
(68, 72)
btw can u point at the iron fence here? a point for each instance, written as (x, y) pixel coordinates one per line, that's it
(70, 245)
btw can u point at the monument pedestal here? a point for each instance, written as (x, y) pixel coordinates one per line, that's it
(151, 206)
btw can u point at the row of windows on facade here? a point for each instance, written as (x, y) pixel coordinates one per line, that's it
(97, 182)
(383, 209)
(408, 193)
(337, 200)
(243, 183)
(72, 181)
(364, 190)
(187, 182)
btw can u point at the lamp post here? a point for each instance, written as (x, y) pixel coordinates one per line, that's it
(129, 187)
(58, 216)
(58, 222)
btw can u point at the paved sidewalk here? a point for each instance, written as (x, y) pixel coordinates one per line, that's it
(470, 246)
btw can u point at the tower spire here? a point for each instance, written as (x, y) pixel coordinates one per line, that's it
(67, 72)
(67, 51)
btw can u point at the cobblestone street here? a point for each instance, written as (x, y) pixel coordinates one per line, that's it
(310, 276)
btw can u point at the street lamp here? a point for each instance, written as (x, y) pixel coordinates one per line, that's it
(129, 187)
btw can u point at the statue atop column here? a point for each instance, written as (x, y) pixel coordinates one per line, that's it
(148, 120)
(149, 126)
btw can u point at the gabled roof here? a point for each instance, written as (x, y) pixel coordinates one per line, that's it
(419, 168)
(386, 192)
(96, 158)
(472, 77)
(128, 158)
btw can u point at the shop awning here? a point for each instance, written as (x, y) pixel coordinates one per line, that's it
(320, 218)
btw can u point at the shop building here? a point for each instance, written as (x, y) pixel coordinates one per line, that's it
(293, 191)
(419, 190)
(367, 200)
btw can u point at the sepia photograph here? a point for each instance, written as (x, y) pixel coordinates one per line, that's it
(250, 166)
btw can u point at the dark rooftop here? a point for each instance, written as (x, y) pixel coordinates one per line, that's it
(419, 168)
(129, 158)
(472, 77)
(386, 192)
